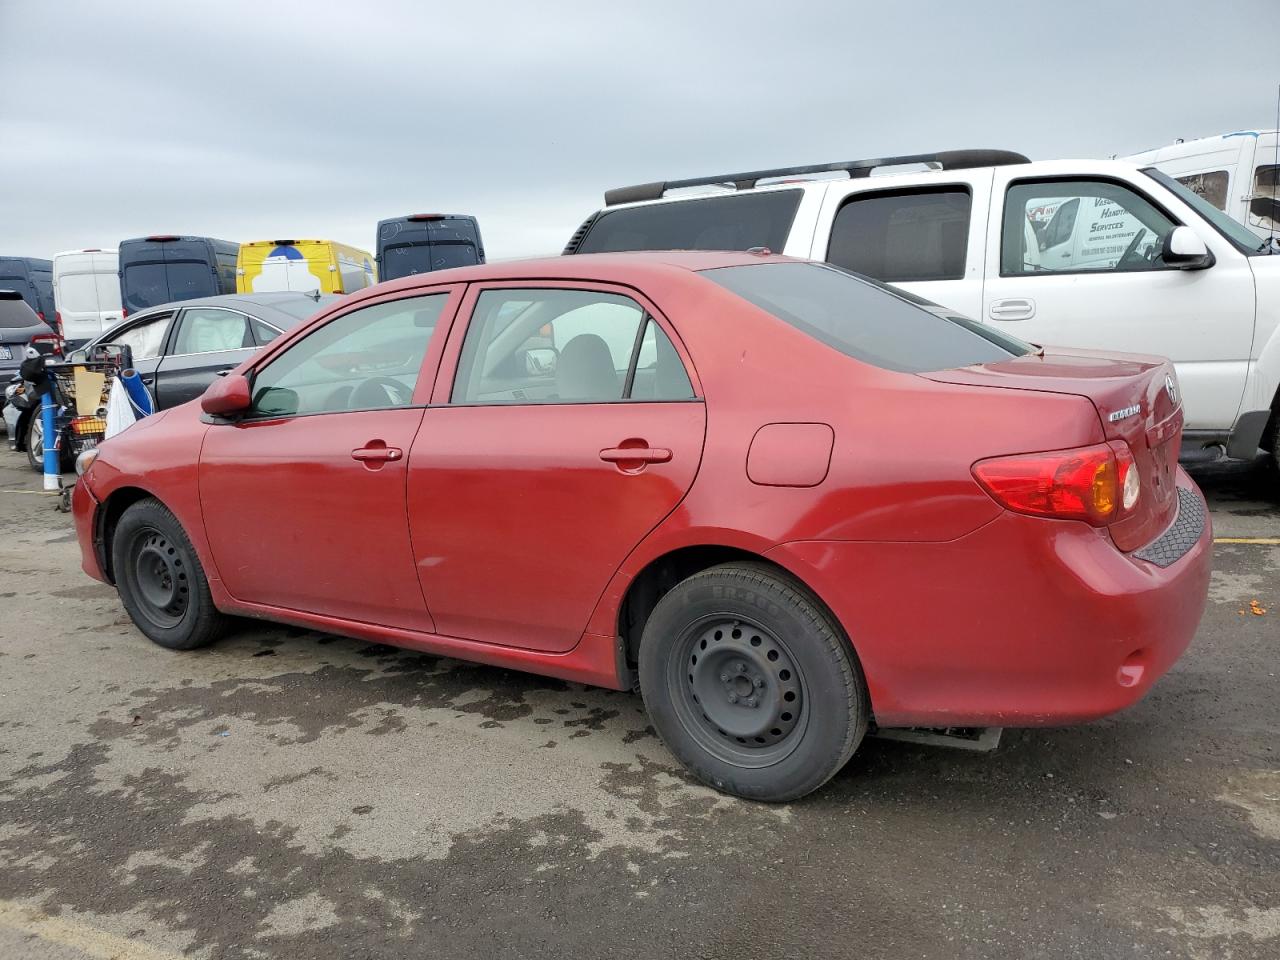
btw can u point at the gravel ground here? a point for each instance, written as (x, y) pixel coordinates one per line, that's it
(289, 794)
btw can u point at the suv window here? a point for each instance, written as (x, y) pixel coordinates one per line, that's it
(209, 329)
(730, 222)
(903, 235)
(863, 319)
(1092, 226)
(565, 346)
(368, 359)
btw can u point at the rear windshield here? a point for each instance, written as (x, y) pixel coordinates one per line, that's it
(151, 284)
(404, 261)
(862, 319)
(731, 222)
(16, 313)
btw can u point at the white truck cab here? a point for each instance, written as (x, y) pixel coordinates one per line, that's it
(1076, 253)
(1236, 172)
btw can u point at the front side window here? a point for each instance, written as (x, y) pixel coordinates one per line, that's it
(565, 346)
(144, 339)
(208, 329)
(1235, 232)
(368, 359)
(1080, 226)
(903, 235)
(730, 222)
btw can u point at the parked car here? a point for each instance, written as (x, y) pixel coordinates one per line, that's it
(179, 348)
(303, 265)
(164, 268)
(788, 500)
(1158, 269)
(22, 334)
(1236, 172)
(423, 242)
(31, 277)
(86, 294)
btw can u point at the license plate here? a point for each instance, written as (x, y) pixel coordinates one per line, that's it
(5, 353)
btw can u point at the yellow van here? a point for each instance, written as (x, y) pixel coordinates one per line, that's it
(303, 265)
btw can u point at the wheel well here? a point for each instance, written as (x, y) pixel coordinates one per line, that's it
(663, 573)
(114, 507)
(1269, 438)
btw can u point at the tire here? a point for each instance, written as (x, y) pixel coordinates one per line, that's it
(751, 684)
(35, 443)
(160, 580)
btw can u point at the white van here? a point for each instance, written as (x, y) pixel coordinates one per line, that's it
(86, 293)
(1236, 172)
(1137, 263)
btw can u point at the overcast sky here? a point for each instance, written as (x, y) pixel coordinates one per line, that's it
(259, 120)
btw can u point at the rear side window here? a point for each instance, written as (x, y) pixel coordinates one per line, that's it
(731, 222)
(903, 236)
(861, 319)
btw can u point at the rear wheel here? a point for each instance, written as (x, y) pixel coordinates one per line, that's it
(35, 442)
(750, 683)
(160, 580)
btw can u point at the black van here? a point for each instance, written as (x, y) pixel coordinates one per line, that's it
(33, 279)
(163, 269)
(423, 242)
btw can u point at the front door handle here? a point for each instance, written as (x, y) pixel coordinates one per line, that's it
(376, 452)
(1016, 308)
(638, 454)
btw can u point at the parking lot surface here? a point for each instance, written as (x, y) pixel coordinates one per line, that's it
(289, 794)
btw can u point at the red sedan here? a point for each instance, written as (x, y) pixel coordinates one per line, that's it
(784, 500)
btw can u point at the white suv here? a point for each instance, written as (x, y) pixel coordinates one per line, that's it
(1080, 253)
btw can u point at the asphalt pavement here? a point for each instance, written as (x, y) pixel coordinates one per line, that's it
(286, 794)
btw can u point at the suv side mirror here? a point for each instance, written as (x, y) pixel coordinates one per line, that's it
(1186, 251)
(226, 395)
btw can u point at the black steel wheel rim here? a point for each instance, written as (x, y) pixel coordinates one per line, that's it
(738, 690)
(159, 574)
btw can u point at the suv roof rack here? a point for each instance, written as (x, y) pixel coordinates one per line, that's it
(944, 160)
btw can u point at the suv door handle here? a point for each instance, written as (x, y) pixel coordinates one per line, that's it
(376, 453)
(642, 454)
(1016, 308)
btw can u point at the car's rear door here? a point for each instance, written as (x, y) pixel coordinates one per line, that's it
(564, 426)
(304, 498)
(205, 342)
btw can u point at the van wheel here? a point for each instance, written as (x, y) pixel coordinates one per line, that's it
(160, 580)
(750, 683)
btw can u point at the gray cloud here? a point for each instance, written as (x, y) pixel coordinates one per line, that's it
(257, 120)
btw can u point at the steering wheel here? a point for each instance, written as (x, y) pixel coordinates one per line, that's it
(377, 392)
(1133, 245)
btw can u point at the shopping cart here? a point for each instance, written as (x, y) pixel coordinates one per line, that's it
(74, 431)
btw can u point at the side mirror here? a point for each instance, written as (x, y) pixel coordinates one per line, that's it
(540, 361)
(226, 395)
(1184, 250)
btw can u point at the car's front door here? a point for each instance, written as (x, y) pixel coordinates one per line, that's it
(205, 342)
(570, 430)
(1098, 281)
(304, 498)
(145, 336)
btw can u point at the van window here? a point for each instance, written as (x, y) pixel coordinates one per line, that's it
(730, 222)
(1212, 186)
(864, 319)
(78, 291)
(151, 284)
(903, 235)
(1264, 205)
(1093, 226)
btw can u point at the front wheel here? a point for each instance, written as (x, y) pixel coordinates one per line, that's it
(750, 683)
(160, 580)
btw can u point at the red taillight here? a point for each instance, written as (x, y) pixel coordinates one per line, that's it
(57, 321)
(421, 217)
(51, 342)
(1086, 483)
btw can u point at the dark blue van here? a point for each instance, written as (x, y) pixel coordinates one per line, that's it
(33, 278)
(424, 242)
(164, 269)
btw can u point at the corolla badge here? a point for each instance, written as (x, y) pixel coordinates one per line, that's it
(1171, 387)
(1126, 412)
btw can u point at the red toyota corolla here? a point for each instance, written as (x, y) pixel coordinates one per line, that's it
(784, 500)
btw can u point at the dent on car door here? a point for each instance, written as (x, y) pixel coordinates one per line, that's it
(570, 430)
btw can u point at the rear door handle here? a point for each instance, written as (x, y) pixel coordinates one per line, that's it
(376, 454)
(644, 454)
(1018, 308)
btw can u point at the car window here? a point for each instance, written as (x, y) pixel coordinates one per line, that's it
(903, 235)
(263, 333)
(1212, 186)
(209, 329)
(78, 291)
(364, 360)
(144, 339)
(1080, 226)
(864, 319)
(565, 346)
(730, 222)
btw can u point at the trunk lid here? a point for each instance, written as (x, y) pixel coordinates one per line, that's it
(1138, 402)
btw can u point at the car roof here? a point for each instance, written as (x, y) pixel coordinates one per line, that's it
(264, 306)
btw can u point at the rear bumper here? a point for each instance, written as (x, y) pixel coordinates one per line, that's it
(1024, 622)
(84, 511)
